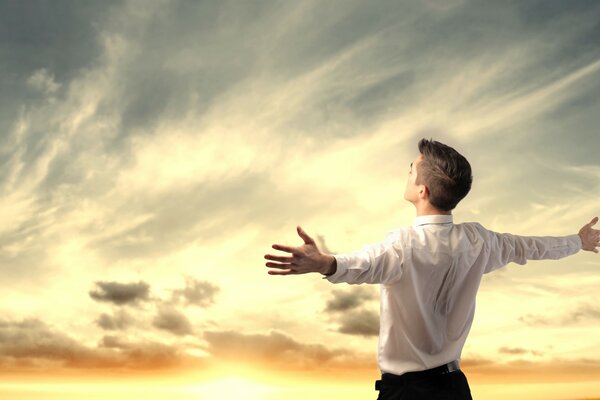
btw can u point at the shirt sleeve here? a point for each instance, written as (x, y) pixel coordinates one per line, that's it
(505, 248)
(375, 263)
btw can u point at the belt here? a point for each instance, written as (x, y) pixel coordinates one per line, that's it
(415, 375)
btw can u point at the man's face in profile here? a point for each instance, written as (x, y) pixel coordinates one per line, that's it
(411, 193)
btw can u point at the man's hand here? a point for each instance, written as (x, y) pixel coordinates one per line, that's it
(590, 238)
(304, 259)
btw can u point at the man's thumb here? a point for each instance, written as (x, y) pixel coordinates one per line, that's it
(307, 239)
(593, 221)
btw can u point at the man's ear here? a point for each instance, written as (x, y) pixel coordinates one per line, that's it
(423, 192)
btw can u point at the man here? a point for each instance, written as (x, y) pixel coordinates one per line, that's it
(429, 275)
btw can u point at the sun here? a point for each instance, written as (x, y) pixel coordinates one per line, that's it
(233, 387)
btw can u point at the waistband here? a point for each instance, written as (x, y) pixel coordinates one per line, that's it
(412, 375)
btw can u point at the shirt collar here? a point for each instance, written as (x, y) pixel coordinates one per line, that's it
(432, 219)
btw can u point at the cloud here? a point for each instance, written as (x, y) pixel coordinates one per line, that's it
(348, 310)
(171, 320)
(33, 339)
(120, 293)
(359, 322)
(42, 81)
(113, 342)
(581, 314)
(59, 38)
(197, 293)
(278, 350)
(168, 317)
(518, 351)
(471, 362)
(146, 354)
(350, 299)
(529, 372)
(32, 345)
(320, 240)
(585, 312)
(118, 321)
(536, 320)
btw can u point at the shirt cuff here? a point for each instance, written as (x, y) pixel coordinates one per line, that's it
(340, 271)
(575, 242)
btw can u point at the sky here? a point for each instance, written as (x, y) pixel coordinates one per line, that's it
(153, 151)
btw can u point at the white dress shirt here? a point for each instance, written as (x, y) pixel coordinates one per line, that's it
(429, 275)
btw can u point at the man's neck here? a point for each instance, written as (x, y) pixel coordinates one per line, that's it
(427, 209)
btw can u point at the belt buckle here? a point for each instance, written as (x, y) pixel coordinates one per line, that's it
(451, 367)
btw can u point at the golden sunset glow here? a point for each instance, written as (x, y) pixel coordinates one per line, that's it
(153, 151)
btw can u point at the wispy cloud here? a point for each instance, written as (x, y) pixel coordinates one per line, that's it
(584, 313)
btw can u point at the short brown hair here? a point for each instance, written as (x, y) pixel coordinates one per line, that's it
(445, 172)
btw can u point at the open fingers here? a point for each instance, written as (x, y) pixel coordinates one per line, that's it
(287, 249)
(282, 272)
(279, 265)
(282, 259)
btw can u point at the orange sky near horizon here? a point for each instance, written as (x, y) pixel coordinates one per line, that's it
(270, 386)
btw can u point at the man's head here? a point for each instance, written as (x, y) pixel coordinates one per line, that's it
(439, 175)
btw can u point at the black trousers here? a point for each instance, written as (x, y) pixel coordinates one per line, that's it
(415, 386)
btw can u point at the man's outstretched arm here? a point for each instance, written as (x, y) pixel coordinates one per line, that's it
(506, 247)
(304, 259)
(375, 263)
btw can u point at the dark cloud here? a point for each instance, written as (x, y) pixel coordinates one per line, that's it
(113, 342)
(432, 50)
(171, 320)
(118, 321)
(32, 338)
(219, 46)
(61, 35)
(121, 293)
(275, 348)
(359, 322)
(58, 36)
(152, 355)
(347, 308)
(344, 300)
(197, 293)
(32, 344)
